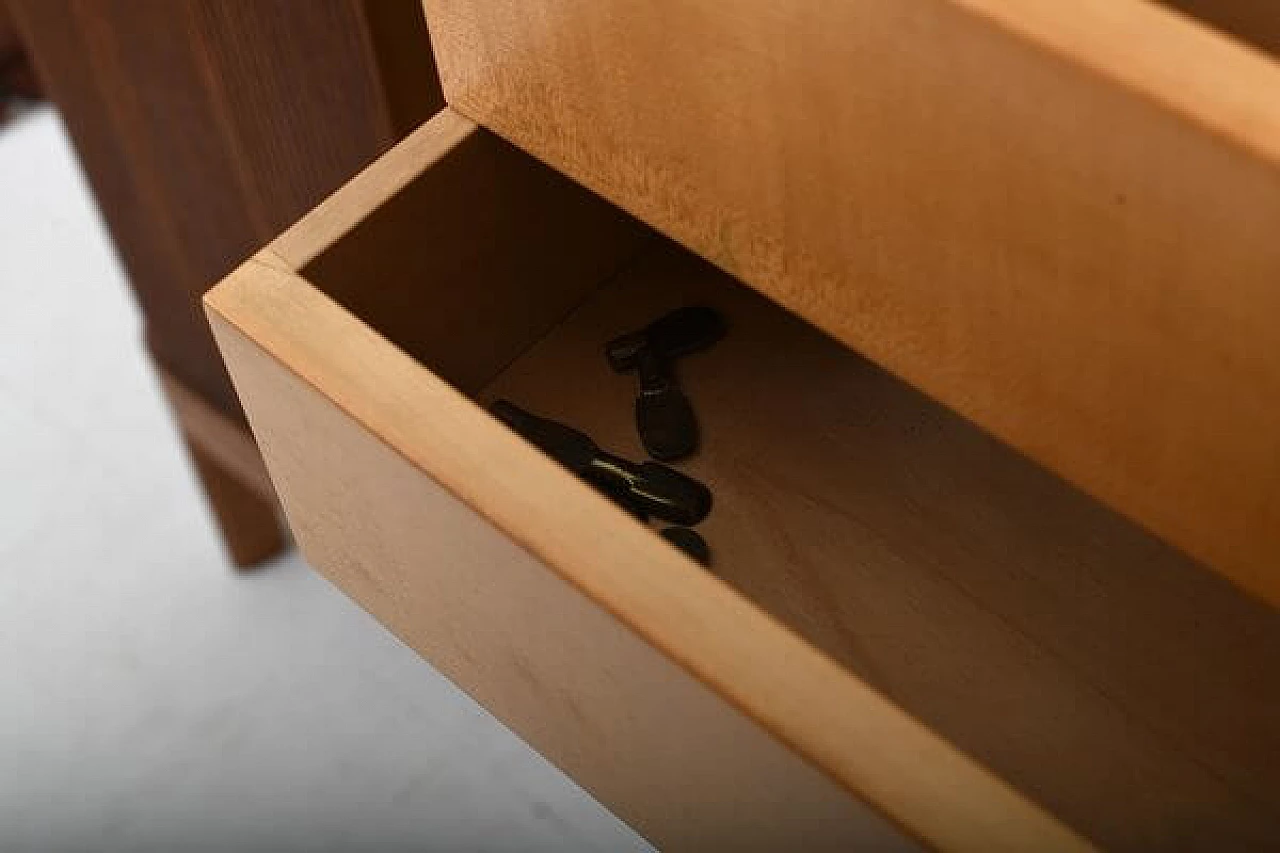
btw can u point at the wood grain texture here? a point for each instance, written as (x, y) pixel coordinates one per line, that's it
(10, 44)
(379, 182)
(370, 389)
(676, 762)
(1045, 636)
(224, 441)
(1057, 219)
(230, 469)
(386, 431)
(467, 250)
(251, 531)
(17, 79)
(406, 64)
(207, 126)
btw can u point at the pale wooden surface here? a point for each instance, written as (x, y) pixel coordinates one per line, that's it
(790, 690)
(371, 188)
(1057, 218)
(1065, 649)
(671, 758)
(469, 262)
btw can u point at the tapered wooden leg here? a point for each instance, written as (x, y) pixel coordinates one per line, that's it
(250, 526)
(232, 473)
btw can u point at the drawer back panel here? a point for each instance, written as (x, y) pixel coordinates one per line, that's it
(475, 258)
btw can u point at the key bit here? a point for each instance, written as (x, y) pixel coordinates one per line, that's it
(664, 417)
(619, 495)
(689, 541)
(645, 487)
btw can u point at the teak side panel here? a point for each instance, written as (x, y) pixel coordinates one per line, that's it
(222, 439)
(206, 126)
(1058, 219)
(669, 756)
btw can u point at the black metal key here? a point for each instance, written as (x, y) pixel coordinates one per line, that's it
(664, 416)
(645, 487)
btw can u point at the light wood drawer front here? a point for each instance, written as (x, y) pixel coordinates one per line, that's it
(1057, 218)
(685, 767)
(910, 634)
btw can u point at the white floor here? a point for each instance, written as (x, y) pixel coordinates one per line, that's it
(150, 698)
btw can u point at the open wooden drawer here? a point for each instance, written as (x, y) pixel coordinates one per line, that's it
(909, 633)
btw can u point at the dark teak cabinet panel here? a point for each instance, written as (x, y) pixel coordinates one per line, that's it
(207, 126)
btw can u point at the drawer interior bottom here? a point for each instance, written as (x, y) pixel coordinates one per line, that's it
(1099, 671)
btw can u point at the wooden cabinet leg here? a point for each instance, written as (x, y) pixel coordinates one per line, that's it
(231, 470)
(250, 526)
